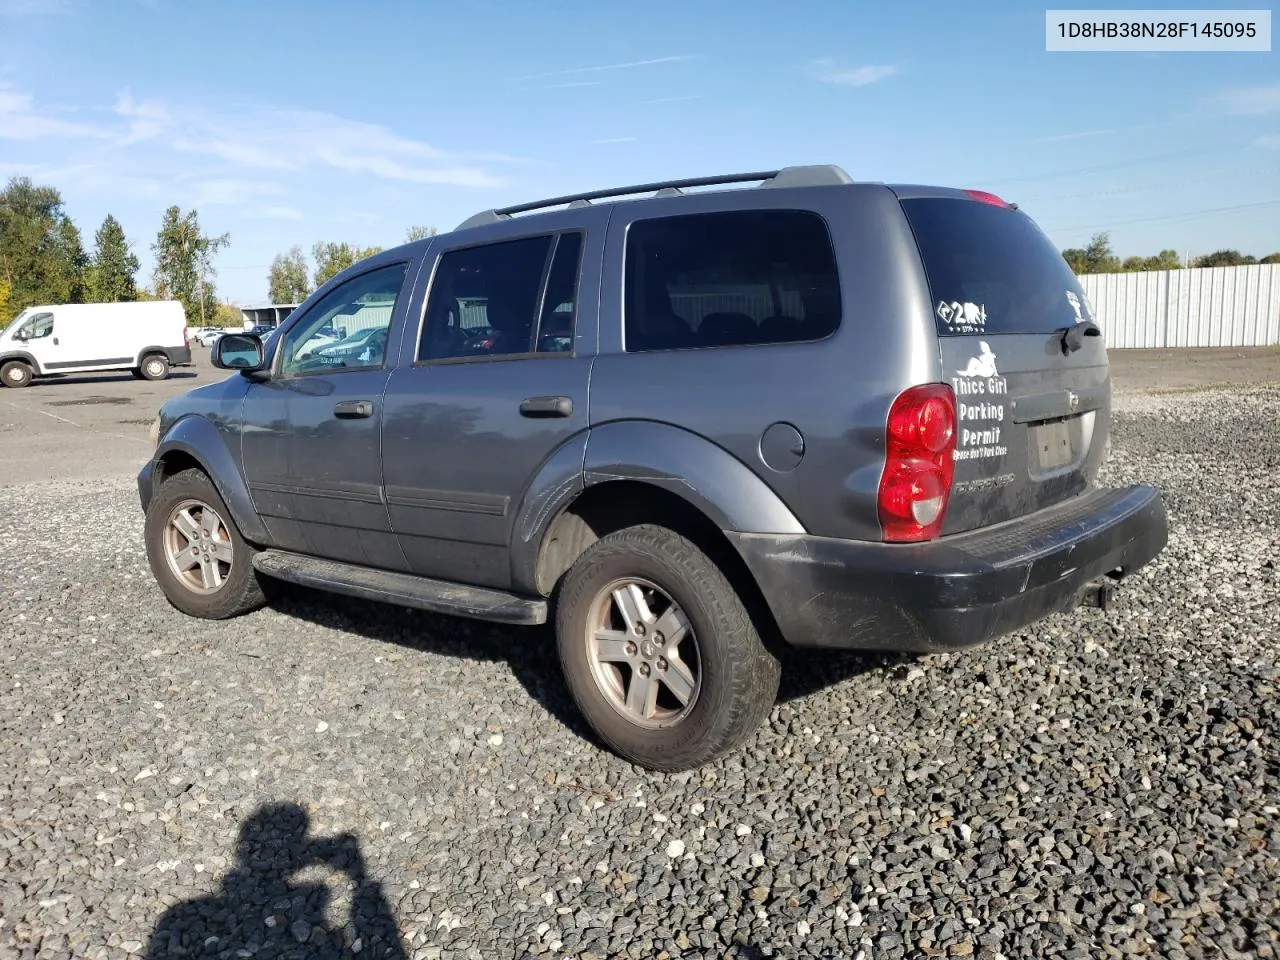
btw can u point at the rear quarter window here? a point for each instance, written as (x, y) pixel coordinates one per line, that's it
(992, 270)
(730, 279)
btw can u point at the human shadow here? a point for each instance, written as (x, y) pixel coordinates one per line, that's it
(262, 910)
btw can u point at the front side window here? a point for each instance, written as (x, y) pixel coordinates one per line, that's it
(37, 326)
(361, 309)
(730, 279)
(486, 301)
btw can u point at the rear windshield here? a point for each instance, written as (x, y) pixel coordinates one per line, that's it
(991, 270)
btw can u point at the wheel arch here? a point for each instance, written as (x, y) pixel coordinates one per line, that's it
(25, 357)
(148, 351)
(683, 482)
(195, 442)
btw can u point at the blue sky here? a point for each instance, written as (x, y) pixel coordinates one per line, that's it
(286, 122)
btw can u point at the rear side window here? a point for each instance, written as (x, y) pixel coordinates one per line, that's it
(730, 279)
(991, 270)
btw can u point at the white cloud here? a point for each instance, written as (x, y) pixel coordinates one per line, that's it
(146, 120)
(629, 65)
(824, 71)
(19, 120)
(685, 99)
(275, 213)
(1058, 138)
(33, 8)
(1249, 100)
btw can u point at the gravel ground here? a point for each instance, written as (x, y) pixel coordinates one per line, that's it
(1101, 785)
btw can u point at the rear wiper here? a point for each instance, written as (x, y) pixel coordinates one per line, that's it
(1073, 336)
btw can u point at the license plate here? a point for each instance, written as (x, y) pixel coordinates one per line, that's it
(1053, 444)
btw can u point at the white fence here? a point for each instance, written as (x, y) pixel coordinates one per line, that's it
(1208, 307)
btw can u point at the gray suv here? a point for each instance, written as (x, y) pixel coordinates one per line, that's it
(686, 426)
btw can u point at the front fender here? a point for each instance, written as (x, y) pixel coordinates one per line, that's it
(24, 356)
(201, 440)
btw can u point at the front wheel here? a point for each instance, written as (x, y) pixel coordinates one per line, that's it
(659, 652)
(15, 373)
(198, 557)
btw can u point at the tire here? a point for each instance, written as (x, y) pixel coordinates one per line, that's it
(15, 373)
(729, 674)
(236, 589)
(154, 366)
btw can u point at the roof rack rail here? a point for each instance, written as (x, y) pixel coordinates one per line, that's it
(818, 175)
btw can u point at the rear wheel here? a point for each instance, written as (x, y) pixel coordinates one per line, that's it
(15, 373)
(198, 557)
(659, 652)
(155, 366)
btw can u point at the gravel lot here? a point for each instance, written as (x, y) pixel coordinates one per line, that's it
(1102, 785)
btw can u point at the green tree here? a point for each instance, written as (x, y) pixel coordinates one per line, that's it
(228, 317)
(287, 281)
(1095, 258)
(1271, 258)
(419, 233)
(332, 258)
(112, 277)
(42, 259)
(1224, 258)
(184, 264)
(1164, 260)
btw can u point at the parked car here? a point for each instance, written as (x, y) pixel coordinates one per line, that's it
(145, 337)
(694, 427)
(206, 336)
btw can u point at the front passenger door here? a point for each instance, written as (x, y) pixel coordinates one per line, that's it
(311, 432)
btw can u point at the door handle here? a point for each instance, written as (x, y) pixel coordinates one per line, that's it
(55, 341)
(546, 407)
(353, 409)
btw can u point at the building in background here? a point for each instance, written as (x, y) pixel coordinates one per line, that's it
(266, 314)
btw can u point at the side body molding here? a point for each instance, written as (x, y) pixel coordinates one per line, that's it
(683, 463)
(202, 440)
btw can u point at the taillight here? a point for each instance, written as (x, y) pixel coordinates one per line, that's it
(983, 197)
(920, 444)
(186, 337)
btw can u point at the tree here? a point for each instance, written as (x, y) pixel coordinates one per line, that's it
(114, 265)
(1224, 258)
(1095, 258)
(228, 317)
(332, 258)
(1164, 260)
(419, 233)
(42, 259)
(1271, 258)
(184, 264)
(70, 265)
(287, 281)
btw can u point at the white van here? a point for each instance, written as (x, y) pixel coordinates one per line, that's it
(146, 337)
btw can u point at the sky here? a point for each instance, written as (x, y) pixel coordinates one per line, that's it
(287, 123)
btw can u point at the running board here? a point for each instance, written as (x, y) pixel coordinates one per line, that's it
(402, 589)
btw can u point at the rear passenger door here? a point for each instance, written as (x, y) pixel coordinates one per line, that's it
(496, 384)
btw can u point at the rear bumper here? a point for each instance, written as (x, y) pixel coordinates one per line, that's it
(179, 356)
(959, 591)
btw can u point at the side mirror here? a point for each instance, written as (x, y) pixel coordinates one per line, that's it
(239, 351)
